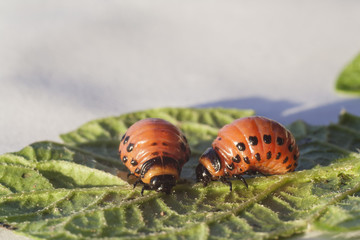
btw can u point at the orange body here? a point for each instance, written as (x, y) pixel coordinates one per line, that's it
(153, 147)
(253, 144)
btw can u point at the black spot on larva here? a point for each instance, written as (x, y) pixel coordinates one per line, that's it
(289, 170)
(122, 138)
(124, 159)
(154, 144)
(295, 157)
(241, 146)
(267, 139)
(130, 147)
(268, 155)
(185, 139)
(134, 162)
(241, 169)
(237, 158)
(295, 164)
(231, 166)
(288, 166)
(126, 139)
(155, 153)
(257, 156)
(183, 147)
(165, 144)
(280, 141)
(219, 138)
(246, 159)
(285, 160)
(253, 140)
(227, 174)
(278, 155)
(137, 170)
(291, 147)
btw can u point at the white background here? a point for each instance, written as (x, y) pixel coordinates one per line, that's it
(63, 63)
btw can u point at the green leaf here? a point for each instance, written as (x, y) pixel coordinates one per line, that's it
(47, 166)
(349, 79)
(71, 191)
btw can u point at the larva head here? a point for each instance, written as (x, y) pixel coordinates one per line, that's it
(162, 183)
(209, 167)
(160, 173)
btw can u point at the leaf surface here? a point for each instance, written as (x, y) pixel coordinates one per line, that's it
(349, 79)
(72, 190)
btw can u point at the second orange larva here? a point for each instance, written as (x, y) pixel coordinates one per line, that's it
(253, 144)
(155, 151)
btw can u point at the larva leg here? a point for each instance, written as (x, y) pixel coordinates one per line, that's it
(226, 181)
(242, 179)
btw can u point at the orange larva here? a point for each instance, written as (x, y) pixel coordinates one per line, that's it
(252, 144)
(155, 151)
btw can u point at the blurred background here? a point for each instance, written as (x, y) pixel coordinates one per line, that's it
(63, 63)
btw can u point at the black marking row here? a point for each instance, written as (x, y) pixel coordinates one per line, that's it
(125, 139)
(253, 141)
(237, 158)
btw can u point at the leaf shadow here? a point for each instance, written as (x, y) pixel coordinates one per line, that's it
(286, 111)
(265, 107)
(328, 113)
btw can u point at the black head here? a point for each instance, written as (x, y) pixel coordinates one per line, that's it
(202, 174)
(162, 183)
(209, 164)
